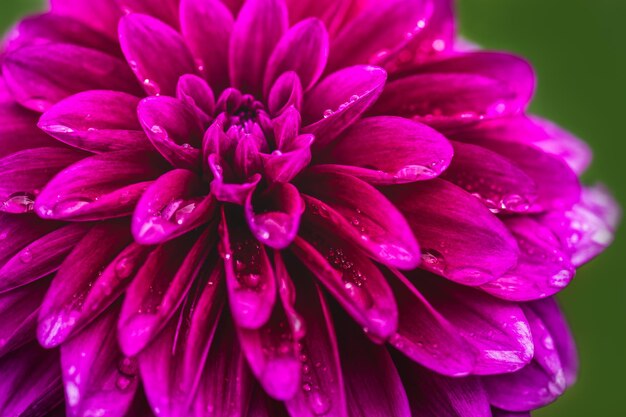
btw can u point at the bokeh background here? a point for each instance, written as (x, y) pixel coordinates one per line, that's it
(578, 48)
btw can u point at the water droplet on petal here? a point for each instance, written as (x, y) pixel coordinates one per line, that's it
(560, 279)
(26, 256)
(19, 203)
(328, 113)
(320, 403)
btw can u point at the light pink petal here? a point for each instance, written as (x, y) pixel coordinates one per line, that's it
(22, 306)
(145, 42)
(82, 288)
(40, 76)
(25, 173)
(427, 337)
(102, 15)
(96, 374)
(164, 10)
(544, 267)
(277, 225)
(41, 257)
(159, 288)
(379, 30)
(99, 187)
(96, 121)
(355, 281)
(406, 151)
(249, 276)
(303, 50)
(542, 381)
(260, 25)
(475, 248)
(173, 128)
(286, 92)
(339, 99)
(372, 382)
(18, 122)
(445, 100)
(360, 213)
(496, 329)
(321, 389)
(495, 180)
(20, 393)
(171, 206)
(202, 20)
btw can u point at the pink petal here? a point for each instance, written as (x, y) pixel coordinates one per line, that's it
(20, 393)
(476, 247)
(18, 122)
(159, 288)
(171, 206)
(286, 163)
(173, 128)
(360, 213)
(259, 26)
(339, 99)
(286, 92)
(331, 12)
(82, 289)
(17, 232)
(278, 224)
(145, 41)
(249, 276)
(500, 184)
(355, 281)
(40, 76)
(165, 10)
(544, 267)
(406, 151)
(102, 15)
(377, 31)
(427, 337)
(202, 20)
(77, 194)
(303, 50)
(25, 173)
(40, 258)
(96, 121)
(497, 330)
(194, 91)
(96, 374)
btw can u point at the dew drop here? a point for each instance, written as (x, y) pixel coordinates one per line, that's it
(320, 403)
(59, 129)
(328, 113)
(560, 279)
(26, 256)
(433, 260)
(19, 203)
(151, 87)
(124, 268)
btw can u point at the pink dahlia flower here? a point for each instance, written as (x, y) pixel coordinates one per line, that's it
(281, 207)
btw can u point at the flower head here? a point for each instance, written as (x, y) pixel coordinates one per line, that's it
(281, 207)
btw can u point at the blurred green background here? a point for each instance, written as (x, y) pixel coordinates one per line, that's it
(578, 48)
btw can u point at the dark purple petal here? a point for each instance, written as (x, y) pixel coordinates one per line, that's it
(99, 187)
(40, 76)
(155, 52)
(174, 130)
(96, 374)
(200, 21)
(18, 122)
(18, 231)
(355, 281)
(544, 267)
(41, 257)
(20, 393)
(460, 238)
(339, 99)
(159, 288)
(331, 12)
(171, 206)
(380, 29)
(259, 26)
(96, 121)
(25, 173)
(303, 50)
(360, 213)
(500, 184)
(249, 276)
(101, 15)
(165, 10)
(426, 337)
(83, 288)
(406, 151)
(496, 329)
(540, 383)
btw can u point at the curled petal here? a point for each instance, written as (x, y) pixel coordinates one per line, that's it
(406, 151)
(339, 99)
(99, 187)
(284, 165)
(460, 238)
(194, 91)
(96, 121)
(42, 75)
(145, 41)
(286, 92)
